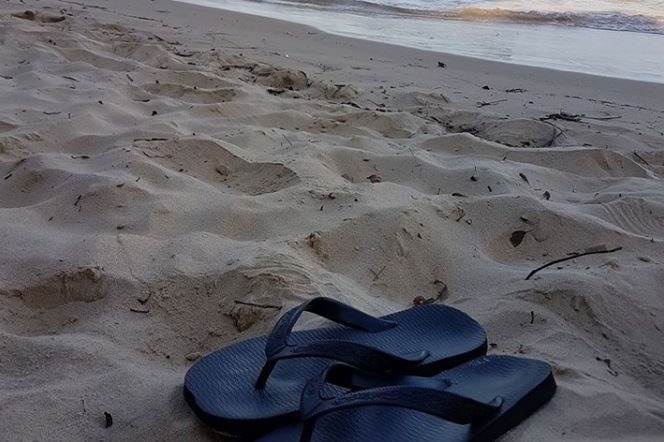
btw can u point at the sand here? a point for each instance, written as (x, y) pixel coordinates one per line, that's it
(162, 164)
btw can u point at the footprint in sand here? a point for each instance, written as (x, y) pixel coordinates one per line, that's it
(84, 284)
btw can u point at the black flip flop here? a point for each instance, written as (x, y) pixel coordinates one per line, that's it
(252, 387)
(474, 402)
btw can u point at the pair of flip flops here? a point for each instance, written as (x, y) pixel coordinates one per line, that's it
(419, 374)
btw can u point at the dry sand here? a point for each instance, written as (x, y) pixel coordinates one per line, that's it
(160, 162)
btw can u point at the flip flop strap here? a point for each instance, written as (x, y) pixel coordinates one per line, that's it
(278, 348)
(426, 395)
(359, 355)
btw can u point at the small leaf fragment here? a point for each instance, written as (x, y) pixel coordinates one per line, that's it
(517, 237)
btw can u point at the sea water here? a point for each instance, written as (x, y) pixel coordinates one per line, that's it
(619, 38)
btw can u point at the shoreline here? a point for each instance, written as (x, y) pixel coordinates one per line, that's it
(587, 50)
(167, 168)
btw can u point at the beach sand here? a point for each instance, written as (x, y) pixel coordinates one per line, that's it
(162, 164)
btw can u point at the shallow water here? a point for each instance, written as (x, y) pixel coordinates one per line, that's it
(623, 54)
(618, 15)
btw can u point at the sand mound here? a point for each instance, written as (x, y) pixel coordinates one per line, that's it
(520, 132)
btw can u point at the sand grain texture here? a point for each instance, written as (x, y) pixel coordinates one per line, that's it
(159, 164)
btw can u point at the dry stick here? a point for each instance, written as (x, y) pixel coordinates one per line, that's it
(237, 47)
(576, 255)
(563, 116)
(377, 275)
(556, 134)
(141, 18)
(414, 157)
(151, 139)
(377, 104)
(489, 103)
(286, 138)
(613, 117)
(18, 163)
(636, 154)
(251, 304)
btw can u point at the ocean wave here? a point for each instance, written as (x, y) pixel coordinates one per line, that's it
(613, 21)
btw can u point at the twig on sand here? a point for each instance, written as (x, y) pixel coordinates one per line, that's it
(237, 47)
(151, 139)
(607, 361)
(252, 304)
(18, 163)
(612, 117)
(286, 138)
(577, 117)
(591, 251)
(377, 274)
(414, 157)
(636, 154)
(139, 310)
(556, 133)
(376, 104)
(141, 18)
(563, 116)
(489, 103)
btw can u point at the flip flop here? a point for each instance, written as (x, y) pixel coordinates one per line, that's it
(474, 402)
(252, 387)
